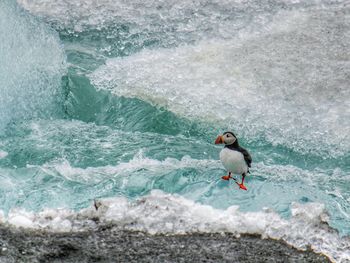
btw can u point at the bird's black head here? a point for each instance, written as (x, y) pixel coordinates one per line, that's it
(228, 132)
(229, 139)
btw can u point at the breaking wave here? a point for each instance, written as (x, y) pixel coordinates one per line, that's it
(31, 67)
(281, 84)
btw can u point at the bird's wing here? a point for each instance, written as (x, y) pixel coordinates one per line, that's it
(247, 157)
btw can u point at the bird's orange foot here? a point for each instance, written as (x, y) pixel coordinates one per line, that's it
(226, 177)
(242, 186)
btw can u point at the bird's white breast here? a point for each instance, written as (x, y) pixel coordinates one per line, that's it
(233, 161)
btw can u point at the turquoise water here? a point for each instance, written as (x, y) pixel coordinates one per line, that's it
(130, 97)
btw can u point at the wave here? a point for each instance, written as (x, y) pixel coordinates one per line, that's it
(186, 16)
(171, 214)
(199, 180)
(127, 169)
(72, 162)
(148, 15)
(32, 63)
(87, 144)
(287, 84)
(119, 28)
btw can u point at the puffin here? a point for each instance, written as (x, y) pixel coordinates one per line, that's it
(234, 158)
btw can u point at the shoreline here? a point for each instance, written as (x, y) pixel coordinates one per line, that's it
(110, 243)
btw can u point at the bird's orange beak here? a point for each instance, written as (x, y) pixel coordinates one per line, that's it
(219, 140)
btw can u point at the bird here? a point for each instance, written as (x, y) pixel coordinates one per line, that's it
(234, 158)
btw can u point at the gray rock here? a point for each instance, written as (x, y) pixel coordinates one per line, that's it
(109, 243)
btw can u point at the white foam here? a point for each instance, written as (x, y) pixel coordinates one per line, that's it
(125, 169)
(188, 16)
(149, 15)
(281, 84)
(3, 154)
(20, 221)
(52, 219)
(172, 214)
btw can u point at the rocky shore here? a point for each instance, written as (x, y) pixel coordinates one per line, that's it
(109, 243)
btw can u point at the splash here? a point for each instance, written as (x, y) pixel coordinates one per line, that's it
(31, 66)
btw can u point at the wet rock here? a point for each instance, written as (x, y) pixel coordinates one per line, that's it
(112, 244)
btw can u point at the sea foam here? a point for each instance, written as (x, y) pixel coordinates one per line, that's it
(3, 154)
